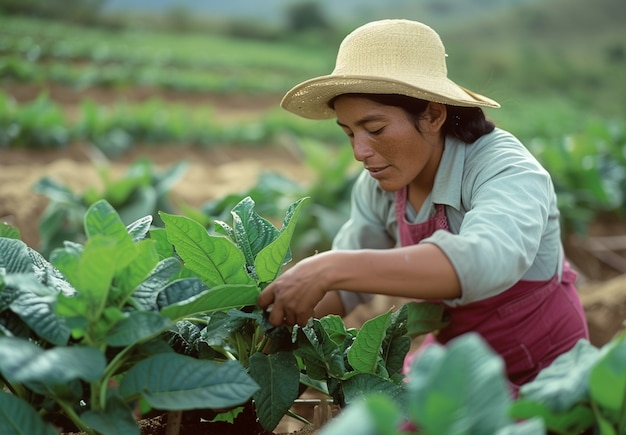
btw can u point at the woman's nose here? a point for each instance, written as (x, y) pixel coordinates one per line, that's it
(361, 148)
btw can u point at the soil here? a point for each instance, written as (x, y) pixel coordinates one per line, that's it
(213, 173)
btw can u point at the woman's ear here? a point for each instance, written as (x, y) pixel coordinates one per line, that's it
(435, 116)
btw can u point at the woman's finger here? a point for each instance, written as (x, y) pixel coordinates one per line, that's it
(266, 298)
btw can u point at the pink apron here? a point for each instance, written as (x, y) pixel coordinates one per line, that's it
(528, 325)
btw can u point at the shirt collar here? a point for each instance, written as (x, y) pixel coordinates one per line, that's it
(449, 177)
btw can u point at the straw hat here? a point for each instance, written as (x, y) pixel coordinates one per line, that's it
(392, 56)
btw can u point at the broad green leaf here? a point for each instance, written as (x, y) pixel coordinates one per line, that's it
(137, 326)
(48, 274)
(60, 222)
(215, 259)
(605, 427)
(117, 418)
(9, 232)
(607, 380)
(221, 298)
(397, 343)
(335, 328)
(376, 414)
(119, 191)
(565, 382)
(573, 420)
(252, 232)
(138, 229)
(533, 426)
(425, 317)
(163, 246)
(24, 361)
(180, 290)
(147, 292)
(33, 303)
(19, 417)
(102, 219)
(91, 274)
(365, 353)
(394, 353)
(222, 228)
(177, 382)
(362, 384)
(14, 257)
(270, 260)
(459, 388)
(184, 337)
(128, 279)
(278, 376)
(323, 358)
(55, 191)
(219, 326)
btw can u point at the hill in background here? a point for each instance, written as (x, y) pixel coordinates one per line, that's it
(338, 12)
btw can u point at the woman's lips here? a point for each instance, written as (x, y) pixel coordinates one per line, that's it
(377, 172)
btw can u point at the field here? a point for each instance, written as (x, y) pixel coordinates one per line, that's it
(83, 110)
(212, 101)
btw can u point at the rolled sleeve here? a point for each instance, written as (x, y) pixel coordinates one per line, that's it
(508, 214)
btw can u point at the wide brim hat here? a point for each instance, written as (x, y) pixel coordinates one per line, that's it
(392, 56)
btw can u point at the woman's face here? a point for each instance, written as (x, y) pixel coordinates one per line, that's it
(388, 143)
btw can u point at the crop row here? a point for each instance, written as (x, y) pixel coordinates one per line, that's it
(42, 124)
(33, 51)
(83, 75)
(588, 168)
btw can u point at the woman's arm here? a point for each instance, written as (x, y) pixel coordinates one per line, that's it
(331, 303)
(420, 271)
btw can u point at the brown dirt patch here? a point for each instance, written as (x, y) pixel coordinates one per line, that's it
(211, 174)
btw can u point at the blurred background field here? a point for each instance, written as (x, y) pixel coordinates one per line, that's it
(174, 105)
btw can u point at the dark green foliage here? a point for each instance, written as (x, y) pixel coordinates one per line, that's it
(462, 388)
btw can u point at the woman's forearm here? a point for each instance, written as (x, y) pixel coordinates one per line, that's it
(307, 289)
(420, 271)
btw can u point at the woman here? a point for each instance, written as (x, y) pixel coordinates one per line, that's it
(449, 208)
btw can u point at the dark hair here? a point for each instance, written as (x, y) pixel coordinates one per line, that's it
(464, 123)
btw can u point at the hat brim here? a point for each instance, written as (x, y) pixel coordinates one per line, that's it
(310, 99)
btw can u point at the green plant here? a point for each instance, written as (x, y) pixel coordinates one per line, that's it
(589, 172)
(96, 313)
(141, 191)
(84, 335)
(354, 362)
(462, 388)
(584, 389)
(334, 173)
(323, 354)
(38, 124)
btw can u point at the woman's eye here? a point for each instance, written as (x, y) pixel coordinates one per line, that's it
(348, 133)
(376, 132)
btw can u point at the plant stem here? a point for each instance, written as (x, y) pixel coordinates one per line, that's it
(109, 371)
(262, 344)
(71, 414)
(174, 419)
(197, 320)
(224, 352)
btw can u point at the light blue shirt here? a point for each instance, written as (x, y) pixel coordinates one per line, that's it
(502, 216)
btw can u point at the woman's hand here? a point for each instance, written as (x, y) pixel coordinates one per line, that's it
(292, 297)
